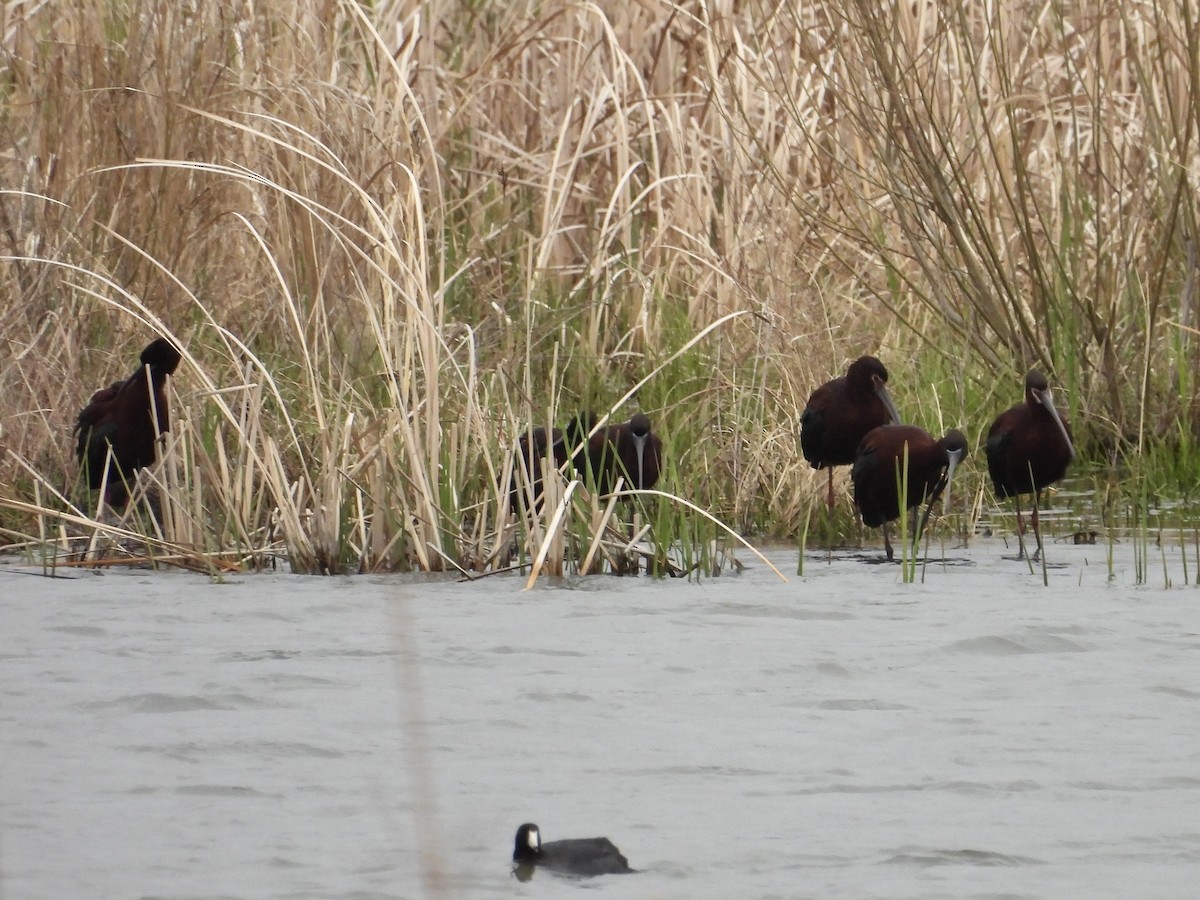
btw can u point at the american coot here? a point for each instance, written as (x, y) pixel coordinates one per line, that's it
(579, 856)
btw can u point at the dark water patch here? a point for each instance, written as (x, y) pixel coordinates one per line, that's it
(169, 619)
(504, 649)
(758, 611)
(287, 748)
(220, 790)
(852, 705)
(925, 858)
(1171, 783)
(161, 703)
(188, 751)
(1183, 642)
(195, 751)
(289, 681)
(32, 742)
(81, 630)
(271, 616)
(817, 861)
(509, 724)
(1014, 645)
(879, 558)
(53, 676)
(356, 653)
(1182, 693)
(1051, 565)
(543, 697)
(834, 670)
(270, 654)
(257, 655)
(705, 771)
(1107, 787)
(975, 788)
(1076, 630)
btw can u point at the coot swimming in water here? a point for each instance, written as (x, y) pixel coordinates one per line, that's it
(579, 856)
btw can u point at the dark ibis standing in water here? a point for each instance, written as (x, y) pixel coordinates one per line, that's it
(1028, 448)
(877, 473)
(575, 856)
(630, 449)
(118, 429)
(840, 413)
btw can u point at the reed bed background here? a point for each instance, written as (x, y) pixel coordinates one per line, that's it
(391, 236)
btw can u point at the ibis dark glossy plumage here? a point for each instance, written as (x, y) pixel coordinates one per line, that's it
(576, 437)
(126, 417)
(630, 449)
(840, 413)
(534, 446)
(877, 473)
(1029, 448)
(577, 856)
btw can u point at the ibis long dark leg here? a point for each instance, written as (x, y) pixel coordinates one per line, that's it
(1020, 528)
(1037, 528)
(887, 541)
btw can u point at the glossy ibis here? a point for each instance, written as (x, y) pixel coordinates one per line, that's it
(532, 449)
(877, 473)
(576, 439)
(1029, 447)
(840, 413)
(117, 430)
(578, 856)
(630, 449)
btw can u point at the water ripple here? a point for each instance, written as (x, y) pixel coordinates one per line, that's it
(1012, 645)
(928, 857)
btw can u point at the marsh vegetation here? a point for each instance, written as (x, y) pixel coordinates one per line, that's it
(390, 237)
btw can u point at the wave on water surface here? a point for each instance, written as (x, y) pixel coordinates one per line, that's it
(928, 857)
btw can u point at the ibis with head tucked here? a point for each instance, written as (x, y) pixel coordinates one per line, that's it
(880, 486)
(117, 432)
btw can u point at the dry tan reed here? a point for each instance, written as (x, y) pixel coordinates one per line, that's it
(391, 236)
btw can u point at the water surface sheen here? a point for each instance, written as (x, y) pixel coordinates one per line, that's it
(842, 735)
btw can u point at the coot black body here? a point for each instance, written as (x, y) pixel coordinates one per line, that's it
(577, 856)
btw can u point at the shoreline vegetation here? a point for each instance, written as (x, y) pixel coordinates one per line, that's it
(388, 238)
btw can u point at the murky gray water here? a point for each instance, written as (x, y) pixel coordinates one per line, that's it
(842, 735)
